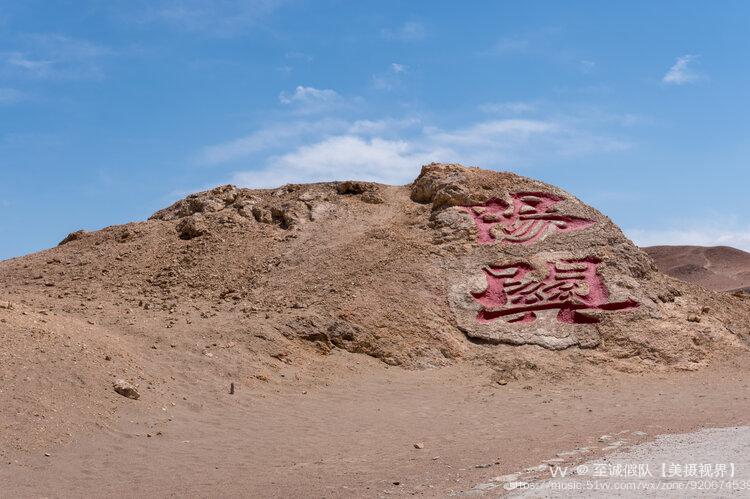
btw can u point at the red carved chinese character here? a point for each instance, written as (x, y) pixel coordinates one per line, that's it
(530, 216)
(570, 286)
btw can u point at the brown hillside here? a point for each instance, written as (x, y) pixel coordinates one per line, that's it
(720, 268)
(296, 284)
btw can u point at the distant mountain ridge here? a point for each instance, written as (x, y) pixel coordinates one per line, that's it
(721, 268)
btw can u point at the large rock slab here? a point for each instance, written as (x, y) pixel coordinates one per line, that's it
(539, 266)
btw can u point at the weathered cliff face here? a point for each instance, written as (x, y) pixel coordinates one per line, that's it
(541, 268)
(538, 266)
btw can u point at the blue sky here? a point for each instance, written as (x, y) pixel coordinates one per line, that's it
(110, 110)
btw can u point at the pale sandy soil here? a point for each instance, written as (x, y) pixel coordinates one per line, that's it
(708, 463)
(356, 436)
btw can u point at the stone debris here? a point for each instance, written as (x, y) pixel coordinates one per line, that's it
(126, 389)
(507, 478)
(192, 227)
(538, 468)
(73, 236)
(353, 187)
(481, 487)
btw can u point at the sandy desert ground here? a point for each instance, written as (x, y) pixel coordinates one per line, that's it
(356, 436)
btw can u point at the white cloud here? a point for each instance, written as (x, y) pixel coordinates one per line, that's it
(308, 95)
(488, 133)
(700, 236)
(681, 71)
(398, 68)
(344, 157)
(407, 32)
(279, 135)
(309, 100)
(392, 150)
(507, 142)
(384, 126)
(270, 137)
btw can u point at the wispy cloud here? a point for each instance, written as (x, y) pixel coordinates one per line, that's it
(293, 59)
(398, 68)
(586, 66)
(308, 95)
(700, 236)
(391, 78)
(392, 150)
(268, 138)
(487, 133)
(310, 100)
(343, 157)
(541, 41)
(408, 32)
(59, 46)
(548, 44)
(52, 55)
(682, 71)
(24, 62)
(278, 136)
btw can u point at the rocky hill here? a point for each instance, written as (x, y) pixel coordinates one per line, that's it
(462, 265)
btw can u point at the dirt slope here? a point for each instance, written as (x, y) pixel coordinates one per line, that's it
(296, 285)
(719, 268)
